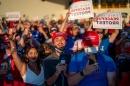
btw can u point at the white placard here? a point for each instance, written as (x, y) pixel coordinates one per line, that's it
(109, 20)
(81, 10)
(13, 16)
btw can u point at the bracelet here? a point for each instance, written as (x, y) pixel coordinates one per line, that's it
(13, 50)
(82, 73)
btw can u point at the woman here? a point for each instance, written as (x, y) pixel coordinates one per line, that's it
(30, 68)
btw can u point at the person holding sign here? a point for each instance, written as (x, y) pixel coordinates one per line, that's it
(106, 40)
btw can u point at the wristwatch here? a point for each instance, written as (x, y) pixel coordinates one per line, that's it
(82, 73)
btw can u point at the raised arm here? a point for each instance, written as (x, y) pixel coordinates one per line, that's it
(113, 36)
(64, 24)
(19, 64)
(1, 25)
(24, 35)
(42, 31)
(90, 27)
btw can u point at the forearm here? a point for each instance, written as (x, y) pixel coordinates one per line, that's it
(15, 56)
(74, 79)
(90, 27)
(111, 77)
(112, 83)
(64, 24)
(52, 79)
(21, 42)
(1, 26)
(113, 36)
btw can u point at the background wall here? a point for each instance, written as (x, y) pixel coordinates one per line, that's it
(39, 8)
(32, 8)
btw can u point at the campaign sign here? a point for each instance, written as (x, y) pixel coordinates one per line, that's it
(81, 10)
(109, 20)
(13, 16)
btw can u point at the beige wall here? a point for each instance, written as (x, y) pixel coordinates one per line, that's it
(40, 8)
(32, 8)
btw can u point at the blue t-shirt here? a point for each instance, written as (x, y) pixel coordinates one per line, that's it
(104, 46)
(98, 77)
(36, 35)
(70, 43)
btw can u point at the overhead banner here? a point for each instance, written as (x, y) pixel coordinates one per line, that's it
(13, 16)
(81, 10)
(110, 20)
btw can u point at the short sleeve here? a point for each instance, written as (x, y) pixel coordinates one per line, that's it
(110, 64)
(78, 62)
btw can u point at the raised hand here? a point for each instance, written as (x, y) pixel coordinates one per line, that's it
(26, 32)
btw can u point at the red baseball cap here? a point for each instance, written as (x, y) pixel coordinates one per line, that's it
(90, 39)
(57, 34)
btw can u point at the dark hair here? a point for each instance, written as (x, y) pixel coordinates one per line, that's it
(25, 59)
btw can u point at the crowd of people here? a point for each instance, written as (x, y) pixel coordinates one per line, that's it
(63, 53)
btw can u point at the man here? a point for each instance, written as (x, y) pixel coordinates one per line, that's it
(106, 41)
(56, 63)
(90, 67)
(123, 63)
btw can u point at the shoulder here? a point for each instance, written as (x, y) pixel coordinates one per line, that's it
(106, 58)
(105, 40)
(51, 56)
(109, 63)
(78, 56)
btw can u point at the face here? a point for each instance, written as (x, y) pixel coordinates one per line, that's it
(59, 42)
(75, 31)
(40, 25)
(32, 54)
(26, 25)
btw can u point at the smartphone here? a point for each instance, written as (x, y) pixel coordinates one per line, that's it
(91, 62)
(62, 62)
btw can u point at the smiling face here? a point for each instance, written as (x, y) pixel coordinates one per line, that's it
(32, 54)
(59, 42)
(26, 25)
